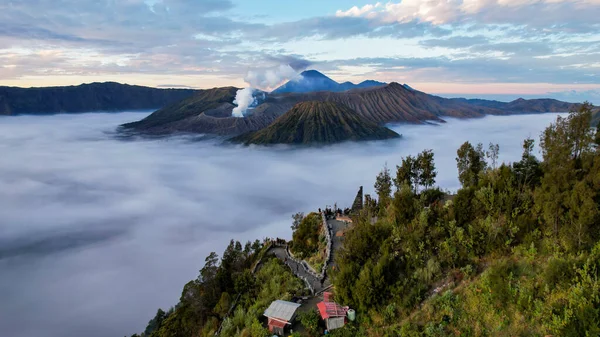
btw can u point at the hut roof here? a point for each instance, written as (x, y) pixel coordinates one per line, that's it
(283, 310)
(331, 309)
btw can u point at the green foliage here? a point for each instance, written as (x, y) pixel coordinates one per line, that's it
(517, 246)
(516, 252)
(406, 174)
(306, 236)
(470, 162)
(416, 171)
(427, 172)
(310, 321)
(383, 187)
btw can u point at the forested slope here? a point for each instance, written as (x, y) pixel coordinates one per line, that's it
(516, 252)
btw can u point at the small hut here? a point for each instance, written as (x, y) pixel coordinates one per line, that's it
(280, 313)
(333, 314)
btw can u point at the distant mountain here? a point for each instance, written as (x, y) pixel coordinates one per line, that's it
(312, 80)
(595, 117)
(523, 105)
(108, 96)
(209, 111)
(317, 122)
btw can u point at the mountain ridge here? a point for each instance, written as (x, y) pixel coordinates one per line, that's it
(97, 96)
(391, 103)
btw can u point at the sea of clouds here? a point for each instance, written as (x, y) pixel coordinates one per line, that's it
(97, 231)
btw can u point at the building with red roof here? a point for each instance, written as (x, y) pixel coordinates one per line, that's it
(333, 314)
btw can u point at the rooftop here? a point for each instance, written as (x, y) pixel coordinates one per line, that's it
(282, 310)
(331, 309)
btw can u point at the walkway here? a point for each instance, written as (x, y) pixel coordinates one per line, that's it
(299, 270)
(337, 241)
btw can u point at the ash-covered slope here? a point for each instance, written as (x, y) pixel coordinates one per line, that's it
(389, 103)
(315, 122)
(108, 96)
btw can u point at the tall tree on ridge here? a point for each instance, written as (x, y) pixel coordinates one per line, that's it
(426, 172)
(383, 187)
(470, 161)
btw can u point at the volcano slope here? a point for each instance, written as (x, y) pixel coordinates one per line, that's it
(209, 111)
(316, 122)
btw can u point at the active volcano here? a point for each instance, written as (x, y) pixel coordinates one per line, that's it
(316, 122)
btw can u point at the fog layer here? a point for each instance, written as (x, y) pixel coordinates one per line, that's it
(97, 232)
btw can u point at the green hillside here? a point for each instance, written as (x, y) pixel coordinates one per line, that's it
(317, 123)
(514, 252)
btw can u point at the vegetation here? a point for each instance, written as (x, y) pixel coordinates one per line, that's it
(208, 300)
(310, 322)
(309, 241)
(314, 122)
(515, 253)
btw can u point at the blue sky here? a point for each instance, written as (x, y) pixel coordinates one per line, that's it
(487, 48)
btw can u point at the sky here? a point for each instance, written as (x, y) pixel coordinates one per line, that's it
(477, 48)
(97, 232)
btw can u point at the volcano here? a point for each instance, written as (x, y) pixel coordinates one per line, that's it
(312, 80)
(316, 122)
(209, 111)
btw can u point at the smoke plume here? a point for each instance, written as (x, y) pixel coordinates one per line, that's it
(244, 98)
(263, 79)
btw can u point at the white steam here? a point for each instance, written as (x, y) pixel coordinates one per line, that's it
(269, 79)
(244, 98)
(263, 79)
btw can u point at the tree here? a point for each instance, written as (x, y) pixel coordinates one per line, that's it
(470, 162)
(306, 237)
(310, 321)
(566, 148)
(492, 154)
(297, 219)
(383, 187)
(211, 264)
(528, 170)
(154, 323)
(597, 137)
(406, 173)
(223, 305)
(426, 169)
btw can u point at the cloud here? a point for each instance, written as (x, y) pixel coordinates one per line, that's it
(97, 233)
(471, 67)
(270, 78)
(438, 12)
(120, 40)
